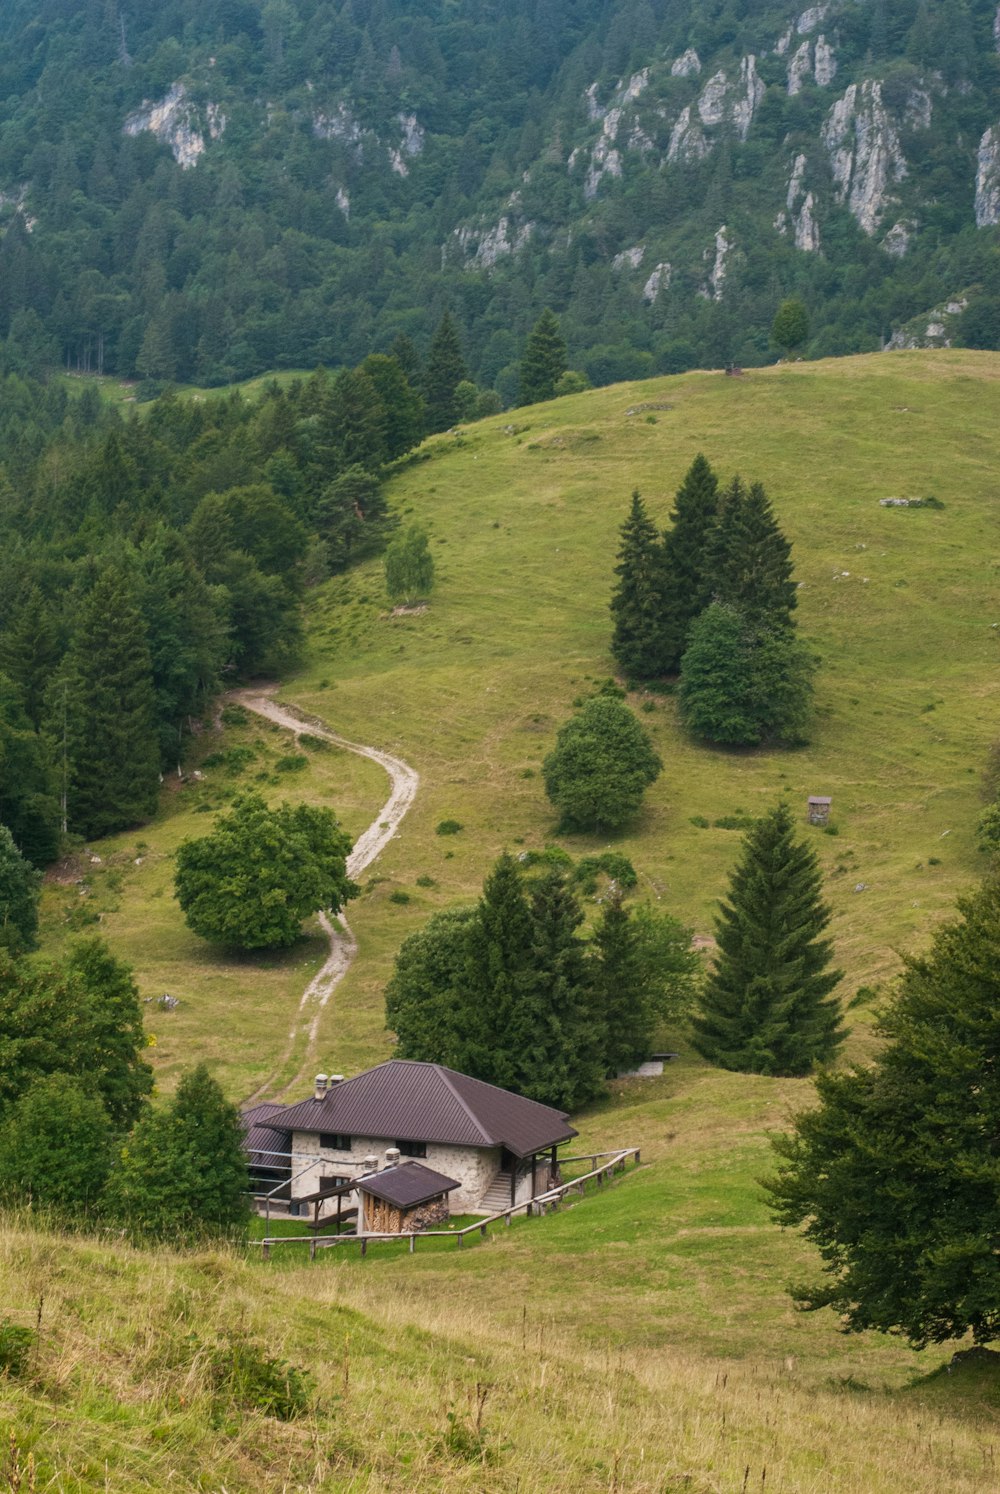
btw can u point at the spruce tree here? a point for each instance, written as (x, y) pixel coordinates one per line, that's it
(766, 1007)
(498, 972)
(445, 371)
(102, 714)
(618, 986)
(894, 1175)
(543, 361)
(28, 803)
(637, 603)
(750, 559)
(687, 580)
(29, 650)
(554, 1034)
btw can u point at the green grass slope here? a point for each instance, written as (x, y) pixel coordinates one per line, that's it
(643, 1338)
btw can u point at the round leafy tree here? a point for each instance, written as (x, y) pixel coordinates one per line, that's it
(602, 764)
(252, 881)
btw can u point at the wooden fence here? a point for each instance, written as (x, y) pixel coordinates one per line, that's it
(542, 1203)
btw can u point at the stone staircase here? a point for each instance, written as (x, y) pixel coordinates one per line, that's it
(497, 1195)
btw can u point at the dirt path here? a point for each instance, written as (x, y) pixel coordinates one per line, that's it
(343, 945)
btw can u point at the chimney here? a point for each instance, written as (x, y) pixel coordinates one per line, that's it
(335, 1079)
(392, 1156)
(320, 1087)
(370, 1164)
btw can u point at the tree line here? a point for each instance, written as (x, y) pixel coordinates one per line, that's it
(713, 600)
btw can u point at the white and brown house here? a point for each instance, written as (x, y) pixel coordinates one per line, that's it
(414, 1138)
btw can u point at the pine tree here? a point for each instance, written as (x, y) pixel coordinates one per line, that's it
(543, 361)
(618, 983)
(19, 888)
(102, 714)
(28, 803)
(498, 972)
(183, 1172)
(553, 1033)
(750, 559)
(445, 371)
(687, 579)
(894, 1175)
(766, 1007)
(29, 650)
(637, 603)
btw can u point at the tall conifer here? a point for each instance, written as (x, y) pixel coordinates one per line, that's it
(499, 971)
(543, 361)
(637, 604)
(445, 371)
(686, 582)
(750, 559)
(766, 1007)
(555, 1031)
(102, 714)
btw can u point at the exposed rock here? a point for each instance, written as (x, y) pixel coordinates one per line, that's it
(658, 281)
(343, 201)
(897, 240)
(801, 210)
(688, 65)
(341, 125)
(604, 161)
(918, 109)
(634, 86)
(865, 154)
(712, 291)
(594, 110)
(712, 100)
(996, 28)
(811, 18)
(825, 67)
(988, 179)
(799, 68)
(484, 248)
(173, 121)
(411, 144)
(629, 259)
(715, 101)
(687, 139)
(783, 43)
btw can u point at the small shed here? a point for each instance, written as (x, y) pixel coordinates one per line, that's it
(819, 809)
(404, 1198)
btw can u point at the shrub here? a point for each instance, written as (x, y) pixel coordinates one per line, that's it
(449, 827)
(244, 1374)
(612, 863)
(16, 1344)
(294, 762)
(399, 896)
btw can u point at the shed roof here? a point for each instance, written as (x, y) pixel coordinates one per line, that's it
(402, 1100)
(406, 1186)
(819, 799)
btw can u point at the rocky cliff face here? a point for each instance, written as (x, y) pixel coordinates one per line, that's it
(177, 122)
(987, 205)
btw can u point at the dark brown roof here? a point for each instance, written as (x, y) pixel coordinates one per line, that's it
(262, 1138)
(402, 1100)
(407, 1185)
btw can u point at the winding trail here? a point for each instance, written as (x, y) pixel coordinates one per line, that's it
(343, 945)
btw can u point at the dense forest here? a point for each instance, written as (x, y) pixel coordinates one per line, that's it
(202, 191)
(145, 561)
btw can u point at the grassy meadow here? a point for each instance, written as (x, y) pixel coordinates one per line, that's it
(642, 1339)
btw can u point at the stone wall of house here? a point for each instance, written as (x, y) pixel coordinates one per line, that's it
(473, 1167)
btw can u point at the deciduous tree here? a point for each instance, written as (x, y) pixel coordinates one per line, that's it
(261, 872)
(601, 766)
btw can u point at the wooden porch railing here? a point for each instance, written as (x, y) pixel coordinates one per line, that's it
(543, 1203)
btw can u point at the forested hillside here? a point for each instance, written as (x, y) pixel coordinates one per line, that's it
(207, 188)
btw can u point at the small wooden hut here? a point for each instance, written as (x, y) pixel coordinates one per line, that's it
(403, 1198)
(819, 809)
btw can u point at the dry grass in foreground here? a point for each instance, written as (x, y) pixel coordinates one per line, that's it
(130, 1386)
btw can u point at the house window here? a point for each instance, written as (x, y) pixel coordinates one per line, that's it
(412, 1148)
(332, 1141)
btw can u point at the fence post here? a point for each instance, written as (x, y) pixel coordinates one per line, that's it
(364, 1245)
(266, 1251)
